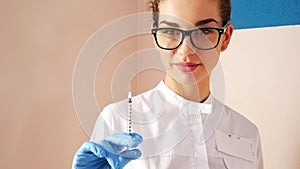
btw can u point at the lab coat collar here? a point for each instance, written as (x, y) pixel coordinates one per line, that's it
(206, 106)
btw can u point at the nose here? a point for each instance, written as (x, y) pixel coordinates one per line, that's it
(185, 49)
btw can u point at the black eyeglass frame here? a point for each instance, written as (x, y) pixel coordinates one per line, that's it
(189, 33)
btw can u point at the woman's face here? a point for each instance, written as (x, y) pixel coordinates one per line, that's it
(187, 64)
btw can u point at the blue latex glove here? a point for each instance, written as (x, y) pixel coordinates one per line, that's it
(108, 153)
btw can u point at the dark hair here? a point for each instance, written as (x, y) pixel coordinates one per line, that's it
(225, 11)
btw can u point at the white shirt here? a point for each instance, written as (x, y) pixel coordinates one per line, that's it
(179, 133)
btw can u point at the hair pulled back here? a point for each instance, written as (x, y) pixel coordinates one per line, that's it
(224, 7)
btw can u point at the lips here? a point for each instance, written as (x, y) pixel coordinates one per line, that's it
(187, 66)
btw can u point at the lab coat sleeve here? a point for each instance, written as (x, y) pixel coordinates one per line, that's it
(102, 126)
(259, 163)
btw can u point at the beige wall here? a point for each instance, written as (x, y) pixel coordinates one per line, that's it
(40, 42)
(262, 76)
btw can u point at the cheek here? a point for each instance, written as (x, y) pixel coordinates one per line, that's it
(166, 57)
(221, 44)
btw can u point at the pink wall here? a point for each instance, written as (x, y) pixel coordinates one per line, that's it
(40, 42)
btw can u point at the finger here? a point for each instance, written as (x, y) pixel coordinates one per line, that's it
(91, 148)
(119, 161)
(128, 155)
(113, 161)
(124, 139)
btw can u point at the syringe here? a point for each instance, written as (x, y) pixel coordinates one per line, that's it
(129, 113)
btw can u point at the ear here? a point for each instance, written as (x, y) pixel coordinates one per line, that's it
(226, 37)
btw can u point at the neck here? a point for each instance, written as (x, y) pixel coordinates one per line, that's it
(198, 92)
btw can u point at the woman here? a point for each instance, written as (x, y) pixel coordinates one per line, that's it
(193, 130)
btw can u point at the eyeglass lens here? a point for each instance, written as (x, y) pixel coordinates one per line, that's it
(202, 38)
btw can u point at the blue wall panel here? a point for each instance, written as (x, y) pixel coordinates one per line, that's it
(265, 13)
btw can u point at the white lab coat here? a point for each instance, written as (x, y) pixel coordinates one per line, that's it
(179, 133)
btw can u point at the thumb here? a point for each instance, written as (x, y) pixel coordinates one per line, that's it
(124, 139)
(131, 154)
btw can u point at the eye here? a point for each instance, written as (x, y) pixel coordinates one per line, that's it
(170, 31)
(207, 30)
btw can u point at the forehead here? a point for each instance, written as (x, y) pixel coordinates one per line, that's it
(191, 11)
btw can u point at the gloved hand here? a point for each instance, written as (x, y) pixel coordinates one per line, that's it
(108, 153)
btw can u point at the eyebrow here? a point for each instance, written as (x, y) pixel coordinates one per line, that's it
(199, 23)
(169, 23)
(205, 21)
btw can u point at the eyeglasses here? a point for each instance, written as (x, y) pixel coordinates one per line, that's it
(201, 38)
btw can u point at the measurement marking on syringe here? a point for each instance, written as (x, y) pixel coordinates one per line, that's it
(129, 113)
